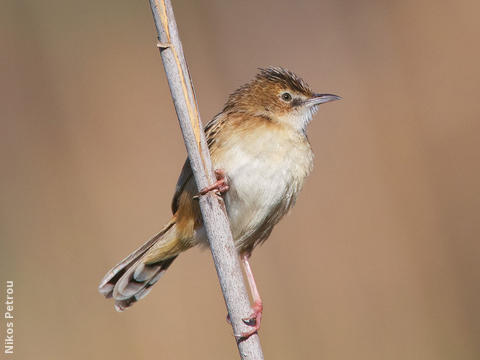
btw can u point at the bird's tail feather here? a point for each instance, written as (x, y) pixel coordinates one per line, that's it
(131, 279)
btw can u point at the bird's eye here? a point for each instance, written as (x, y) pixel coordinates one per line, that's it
(286, 96)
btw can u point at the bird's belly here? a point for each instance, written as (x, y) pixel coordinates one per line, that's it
(256, 190)
(263, 186)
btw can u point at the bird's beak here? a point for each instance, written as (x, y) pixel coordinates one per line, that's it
(318, 99)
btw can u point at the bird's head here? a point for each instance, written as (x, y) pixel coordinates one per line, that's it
(280, 95)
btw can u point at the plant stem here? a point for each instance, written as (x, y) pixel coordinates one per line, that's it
(213, 211)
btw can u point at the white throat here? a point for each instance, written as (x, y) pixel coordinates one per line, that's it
(301, 118)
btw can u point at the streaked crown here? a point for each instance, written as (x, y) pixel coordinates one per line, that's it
(264, 90)
(279, 95)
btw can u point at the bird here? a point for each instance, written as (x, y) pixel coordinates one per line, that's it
(261, 156)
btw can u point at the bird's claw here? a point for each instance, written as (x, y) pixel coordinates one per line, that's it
(220, 187)
(253, 321)
(250, 321)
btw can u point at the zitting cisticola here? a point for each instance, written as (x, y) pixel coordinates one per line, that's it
(262, 155)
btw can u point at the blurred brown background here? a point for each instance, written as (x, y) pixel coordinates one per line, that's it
(378, 260)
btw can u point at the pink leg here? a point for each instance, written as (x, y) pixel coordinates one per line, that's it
(255, 319)
(220, 186)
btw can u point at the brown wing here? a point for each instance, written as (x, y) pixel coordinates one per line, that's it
(213, 128)
(186, 176)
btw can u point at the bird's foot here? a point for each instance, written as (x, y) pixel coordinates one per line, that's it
(253, 320)
(220, 186)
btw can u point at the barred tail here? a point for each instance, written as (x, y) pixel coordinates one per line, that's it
(132, 278)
